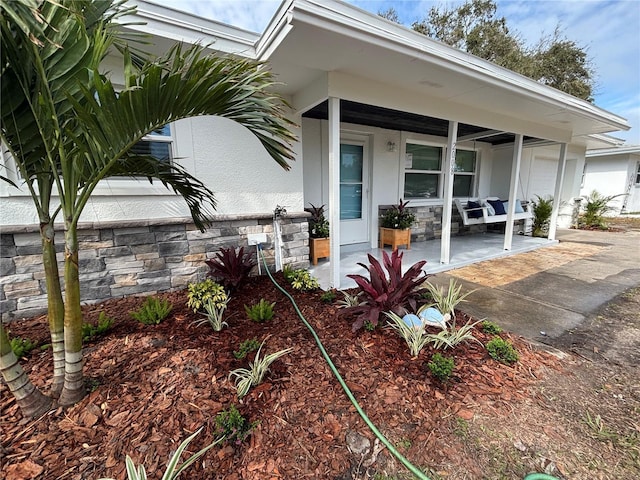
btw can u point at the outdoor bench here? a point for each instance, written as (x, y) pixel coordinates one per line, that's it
(487, 210)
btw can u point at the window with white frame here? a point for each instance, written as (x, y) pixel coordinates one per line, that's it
(638, 173)
(422, 171)
(424, 175)
(464, 173)
(158, 144)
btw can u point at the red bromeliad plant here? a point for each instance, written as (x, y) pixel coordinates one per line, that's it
(381, 294)
(229, 268)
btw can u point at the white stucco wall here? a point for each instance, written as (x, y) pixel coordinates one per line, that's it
(613, 175)
(222, 154)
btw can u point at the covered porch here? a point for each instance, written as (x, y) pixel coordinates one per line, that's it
(465, 250)
(386, 113)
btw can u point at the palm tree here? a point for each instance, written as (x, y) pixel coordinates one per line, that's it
(101, 125)
(45, 56)
(30, 400)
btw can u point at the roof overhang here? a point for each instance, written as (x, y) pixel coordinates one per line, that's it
(309, 39)
(168, 26)
(323, 48)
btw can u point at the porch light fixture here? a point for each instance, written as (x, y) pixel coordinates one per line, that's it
(391, 146)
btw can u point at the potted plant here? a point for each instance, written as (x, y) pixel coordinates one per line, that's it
(319, 242)
(395, 226)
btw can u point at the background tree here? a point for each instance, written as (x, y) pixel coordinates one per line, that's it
(77, 140)
(390, 14)
(476, 28)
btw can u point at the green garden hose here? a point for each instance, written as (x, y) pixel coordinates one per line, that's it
(412, 468)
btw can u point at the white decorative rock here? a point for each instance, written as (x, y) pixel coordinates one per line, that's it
(432, 316)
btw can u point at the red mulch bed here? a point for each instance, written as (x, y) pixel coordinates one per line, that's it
(154, 385)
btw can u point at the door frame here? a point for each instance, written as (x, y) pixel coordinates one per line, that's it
(363, 140)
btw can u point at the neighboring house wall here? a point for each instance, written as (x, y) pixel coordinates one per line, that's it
(614, 174)
(136, 257)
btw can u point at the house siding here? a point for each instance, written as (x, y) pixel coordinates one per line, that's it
(136, 257)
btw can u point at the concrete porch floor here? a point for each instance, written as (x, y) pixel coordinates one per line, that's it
(465, 250)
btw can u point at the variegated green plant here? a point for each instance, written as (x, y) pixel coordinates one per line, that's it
(214, 313)
(252, 376)
(349, 300)
(446, 301)
(200, 293)
(452, 336)
(300, 279)
(415, 337)
(173, 469)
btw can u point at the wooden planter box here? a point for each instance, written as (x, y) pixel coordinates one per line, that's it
(395, 237)
(320, 248)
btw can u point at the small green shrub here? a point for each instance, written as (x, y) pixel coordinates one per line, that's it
(441, 367)
(502, 351)
(261, 311)
(232, 426)
(21, 346)
(214, 312)
(249, 345)
(90, 331)
(595, 208)
(490, 327)
(152, 311)
(369, 326)
(542, 209)
(328, 297)
(301, 279)
(198, 294)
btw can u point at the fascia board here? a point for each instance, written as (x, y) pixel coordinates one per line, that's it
(631, 149)
(165, 22)
(355, 23)
(275, 32)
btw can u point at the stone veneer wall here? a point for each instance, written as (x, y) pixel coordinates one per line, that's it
(428, 224)
(135, 257)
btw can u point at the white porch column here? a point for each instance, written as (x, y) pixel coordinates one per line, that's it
(513, 190)
(562, 162)
(334, 190)
(449, 163)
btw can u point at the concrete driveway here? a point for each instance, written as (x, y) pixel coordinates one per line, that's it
(554, 288)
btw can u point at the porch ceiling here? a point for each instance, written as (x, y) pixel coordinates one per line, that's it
(374, 116)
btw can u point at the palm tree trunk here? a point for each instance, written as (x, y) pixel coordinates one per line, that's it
(73, 390)
(55, 305)
(31, 401)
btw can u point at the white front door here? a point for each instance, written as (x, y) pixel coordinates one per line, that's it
(354, 192)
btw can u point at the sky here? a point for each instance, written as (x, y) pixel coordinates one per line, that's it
(609, 30)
